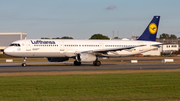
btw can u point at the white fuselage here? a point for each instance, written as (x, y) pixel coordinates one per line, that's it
(69, 48)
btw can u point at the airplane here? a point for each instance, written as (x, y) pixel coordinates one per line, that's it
(59, 50)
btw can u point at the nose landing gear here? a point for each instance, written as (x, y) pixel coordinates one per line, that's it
(24, 63)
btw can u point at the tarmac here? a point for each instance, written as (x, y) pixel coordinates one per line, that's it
(68, 66)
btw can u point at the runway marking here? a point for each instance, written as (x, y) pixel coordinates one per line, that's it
(88, 72)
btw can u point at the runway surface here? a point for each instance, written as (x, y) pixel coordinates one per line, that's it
(34, 67)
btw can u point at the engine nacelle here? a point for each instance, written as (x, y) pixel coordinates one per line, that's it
(85, 57)
(59, 59)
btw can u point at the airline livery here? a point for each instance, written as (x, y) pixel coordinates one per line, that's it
(59, 50)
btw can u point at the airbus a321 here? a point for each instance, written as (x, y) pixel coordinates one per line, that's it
(59, 50)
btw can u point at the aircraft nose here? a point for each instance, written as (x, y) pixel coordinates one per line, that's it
(5, 51)
(8, 51)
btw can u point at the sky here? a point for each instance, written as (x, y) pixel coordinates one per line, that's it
(81, 19)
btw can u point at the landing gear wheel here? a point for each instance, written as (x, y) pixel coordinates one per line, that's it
(23, 64)
(77, 63)
(97, 63)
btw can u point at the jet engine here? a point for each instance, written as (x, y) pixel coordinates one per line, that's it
(59, 59)
(85, 57)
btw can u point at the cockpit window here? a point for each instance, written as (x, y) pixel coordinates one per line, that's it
(14, 44)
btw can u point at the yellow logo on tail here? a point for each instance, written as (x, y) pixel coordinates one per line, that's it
(152, 28)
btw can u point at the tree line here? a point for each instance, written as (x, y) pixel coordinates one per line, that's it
(64, 37)
(95, 36)
(167, 36)
(101, 36)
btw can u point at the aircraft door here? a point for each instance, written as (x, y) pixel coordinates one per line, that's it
(28, 45)
(141, 48)
(61, 46)
(101, 45)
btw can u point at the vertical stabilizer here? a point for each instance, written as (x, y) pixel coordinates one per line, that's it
(151, 31)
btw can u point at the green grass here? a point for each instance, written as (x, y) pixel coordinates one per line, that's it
(106, 87)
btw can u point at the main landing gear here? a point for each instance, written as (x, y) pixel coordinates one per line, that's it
(24, 63)
(95, 63)
(76, 63)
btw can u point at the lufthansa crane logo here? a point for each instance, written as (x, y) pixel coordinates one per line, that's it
(152, 28)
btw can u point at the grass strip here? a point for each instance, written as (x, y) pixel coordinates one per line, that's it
(81, 87)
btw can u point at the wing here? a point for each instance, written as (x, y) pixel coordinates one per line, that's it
(157, 44)
(104, 51)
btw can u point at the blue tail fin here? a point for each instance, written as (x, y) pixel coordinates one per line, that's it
(151, 31)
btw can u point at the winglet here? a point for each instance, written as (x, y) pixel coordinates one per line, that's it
(151, 31)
